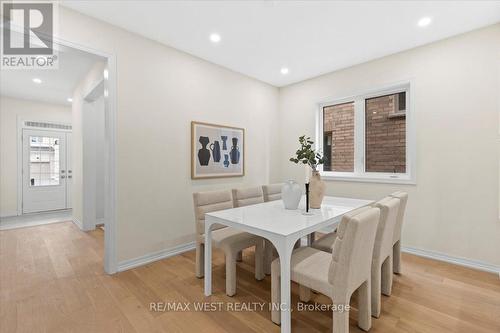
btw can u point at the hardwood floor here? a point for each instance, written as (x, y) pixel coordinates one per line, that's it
(51, 280)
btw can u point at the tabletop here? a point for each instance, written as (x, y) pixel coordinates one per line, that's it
(274, 218)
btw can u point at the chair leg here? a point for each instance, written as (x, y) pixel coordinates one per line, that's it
(386, 283)
(275, 293)
(268, 256)
(396, 255)
(200, 260)
(239, 257)
(340, 314)
(364, 306)
(304, 294)
(230, 273)
(376, 286)
(259, 261)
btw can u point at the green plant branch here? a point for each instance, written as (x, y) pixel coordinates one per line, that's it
(306, 155)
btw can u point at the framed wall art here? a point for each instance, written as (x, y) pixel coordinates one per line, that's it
(217, 151)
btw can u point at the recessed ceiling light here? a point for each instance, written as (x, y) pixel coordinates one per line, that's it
(70, 99)
(37, 80)
(284, 71)
(215, 38)
(424, 21)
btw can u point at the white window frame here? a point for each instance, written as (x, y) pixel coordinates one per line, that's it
(359, 174)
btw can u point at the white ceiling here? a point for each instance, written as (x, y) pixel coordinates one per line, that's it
(57, 84)
(308, 37)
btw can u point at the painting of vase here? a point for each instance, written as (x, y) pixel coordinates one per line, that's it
(204, 153)
(224, 139)
(215, 148)
(217, 151)
(235, 152)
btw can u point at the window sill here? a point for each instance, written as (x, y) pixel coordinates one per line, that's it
(381, 179)
(400, 114)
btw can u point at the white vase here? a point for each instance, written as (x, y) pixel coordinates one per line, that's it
(291, 192)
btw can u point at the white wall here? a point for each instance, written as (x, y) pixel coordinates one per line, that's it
(99, 125)
(453, 209)
(10, 110)
(84, 149)
(160, 91)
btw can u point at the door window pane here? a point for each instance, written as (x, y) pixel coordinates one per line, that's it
(44, 161)
(338, 137)
(385, 133)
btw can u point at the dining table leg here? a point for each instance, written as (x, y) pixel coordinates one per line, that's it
(285, 252)
(208, 257)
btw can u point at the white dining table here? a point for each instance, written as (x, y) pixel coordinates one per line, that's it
(282, 228)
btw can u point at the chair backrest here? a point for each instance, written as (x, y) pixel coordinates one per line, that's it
(247, 196)
(206, 202)
(353, 248)
(272, 192)
(403, 198)
(389, 208)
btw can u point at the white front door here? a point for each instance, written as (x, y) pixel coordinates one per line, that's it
(44, 170)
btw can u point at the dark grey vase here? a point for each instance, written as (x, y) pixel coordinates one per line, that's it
(224, 139)
(215, 148)
(235, 152)
(204, 153)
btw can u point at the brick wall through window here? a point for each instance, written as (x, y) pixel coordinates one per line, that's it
(385, 134)
(338, 143)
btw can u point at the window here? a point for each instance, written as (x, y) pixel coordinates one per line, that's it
(44, 161)
(368, 137)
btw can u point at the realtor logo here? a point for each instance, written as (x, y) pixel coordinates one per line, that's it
(27, 36)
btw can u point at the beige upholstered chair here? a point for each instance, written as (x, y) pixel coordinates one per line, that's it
(230, 240)
(382, 252)
(247, 196)
(396, 249)
(325, 243)
(272, 192)
(339, 274)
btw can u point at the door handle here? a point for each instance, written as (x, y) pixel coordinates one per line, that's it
(63, 176)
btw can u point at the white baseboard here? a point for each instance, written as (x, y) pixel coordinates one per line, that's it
(155, 256)
(78, 223)
(99, 220)
(34, 219)
(7, 214)
(482, 266)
